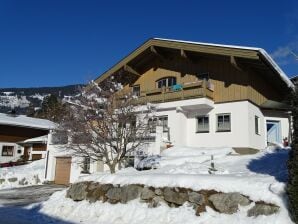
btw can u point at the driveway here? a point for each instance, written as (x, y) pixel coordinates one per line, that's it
(28, 195)
(13, 204)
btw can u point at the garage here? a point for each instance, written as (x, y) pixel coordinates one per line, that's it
(62, 171)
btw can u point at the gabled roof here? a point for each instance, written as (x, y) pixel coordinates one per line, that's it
(208, 48)
(24, 121)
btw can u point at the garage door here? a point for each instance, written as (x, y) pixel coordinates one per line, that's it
(62, 173)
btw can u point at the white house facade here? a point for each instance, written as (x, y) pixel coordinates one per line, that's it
(206, 95)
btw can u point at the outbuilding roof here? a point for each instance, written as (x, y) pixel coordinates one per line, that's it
(24, 121)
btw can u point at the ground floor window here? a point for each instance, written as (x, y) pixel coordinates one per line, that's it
(86, 165)
(223, 122)
(7, 150)
(257, 125)
(160, 121)
(202, 124)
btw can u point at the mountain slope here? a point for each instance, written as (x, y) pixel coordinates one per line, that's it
(20, 98)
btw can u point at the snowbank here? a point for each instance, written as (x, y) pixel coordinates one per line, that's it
(261, 177)
(18, 176)
(135, 212)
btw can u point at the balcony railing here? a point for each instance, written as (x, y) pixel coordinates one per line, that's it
(187, 91)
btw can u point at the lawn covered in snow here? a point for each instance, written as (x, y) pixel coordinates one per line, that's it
(18, 176)
(261, 177)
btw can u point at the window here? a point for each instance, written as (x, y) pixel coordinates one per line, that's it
(7, 150)
(257, 125)
(86, 165)
(203, 76)
(160, 121)
(136, 90)
(223, 122)
(202, 124)
(166, 82)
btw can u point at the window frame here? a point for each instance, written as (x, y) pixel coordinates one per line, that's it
(165, 80)
(136, 93)
(86, 165)
(7, 154)
(203, 76)
(156, 120)
(204, 130)
(229, 129)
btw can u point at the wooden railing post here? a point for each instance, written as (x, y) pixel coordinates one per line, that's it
(204, 87)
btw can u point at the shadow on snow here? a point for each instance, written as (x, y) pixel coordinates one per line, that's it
(20, 215)
(274, 164)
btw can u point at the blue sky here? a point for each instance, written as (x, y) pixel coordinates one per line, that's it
(60, 42)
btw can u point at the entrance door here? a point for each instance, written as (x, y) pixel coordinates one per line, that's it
(62, 174)
(273, 132)
(26, 153)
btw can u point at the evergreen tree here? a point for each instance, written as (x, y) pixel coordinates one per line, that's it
(52, 108)
(292, 188)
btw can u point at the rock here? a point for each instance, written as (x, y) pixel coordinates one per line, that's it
(147, 194)
(199, 209)
(23, 181)
(196, 198)
(98, 192)
(262, 209)
(130, 192)
(228, 202)
(2, 181)
(156, 201)
(114, 194)
(13, 179)
(158, 191)
(174, 197)
(78, 191)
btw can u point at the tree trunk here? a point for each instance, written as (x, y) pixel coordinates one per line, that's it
(112, 167)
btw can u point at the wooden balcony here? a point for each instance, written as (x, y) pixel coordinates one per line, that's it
(188, 91)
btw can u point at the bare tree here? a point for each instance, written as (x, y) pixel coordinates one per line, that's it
(105, 123)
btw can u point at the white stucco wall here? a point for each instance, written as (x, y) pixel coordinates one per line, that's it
(237, 137)
(257, 141)
(183, 125)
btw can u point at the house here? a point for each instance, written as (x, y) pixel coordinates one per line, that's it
(15, 132)
(207, 95)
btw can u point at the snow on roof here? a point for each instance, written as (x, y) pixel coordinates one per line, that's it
(282, 75)
(43, 138)
(24, 121)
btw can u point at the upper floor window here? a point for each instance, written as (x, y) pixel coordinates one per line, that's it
(7, 150)
(136, 91)
(203, 76)
(166, 82)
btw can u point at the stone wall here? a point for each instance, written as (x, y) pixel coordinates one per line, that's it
(173, 197)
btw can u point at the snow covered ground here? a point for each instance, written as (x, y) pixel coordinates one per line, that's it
(18, 176)
(261, 177)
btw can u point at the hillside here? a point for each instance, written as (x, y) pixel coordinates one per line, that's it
(20, 98)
